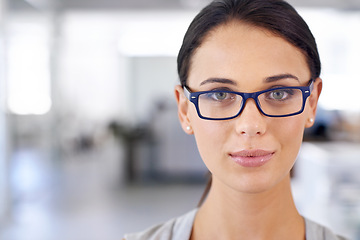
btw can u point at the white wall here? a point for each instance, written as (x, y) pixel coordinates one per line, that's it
(95, 57)
(152, 81)
(3, 159)
(338, 36)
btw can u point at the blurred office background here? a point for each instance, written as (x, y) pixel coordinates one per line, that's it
(90, 144)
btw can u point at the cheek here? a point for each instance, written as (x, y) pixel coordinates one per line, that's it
(210, 137)
(289, 129)
(289, 133)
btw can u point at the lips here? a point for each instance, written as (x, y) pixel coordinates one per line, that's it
(252, 158)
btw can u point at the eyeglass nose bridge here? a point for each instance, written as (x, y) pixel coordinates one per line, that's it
(246, 97)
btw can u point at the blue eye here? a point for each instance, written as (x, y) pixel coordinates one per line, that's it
(219, 96)
(280, 94)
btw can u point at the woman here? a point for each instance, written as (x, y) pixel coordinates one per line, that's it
(249, 72)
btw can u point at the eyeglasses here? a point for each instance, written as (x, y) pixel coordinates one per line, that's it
(274, 102)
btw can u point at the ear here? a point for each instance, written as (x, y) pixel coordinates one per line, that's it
(313, 102)
(183, 105)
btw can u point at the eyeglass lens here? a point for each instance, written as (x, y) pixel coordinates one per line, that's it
(274, 102)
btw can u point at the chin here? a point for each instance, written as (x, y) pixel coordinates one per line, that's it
(256, 183)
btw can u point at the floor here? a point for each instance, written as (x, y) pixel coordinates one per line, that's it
(83, 198)
(80, 199)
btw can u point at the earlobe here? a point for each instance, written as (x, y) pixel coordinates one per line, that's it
(183, 104)
(309, 123)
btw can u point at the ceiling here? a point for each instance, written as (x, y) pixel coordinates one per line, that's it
(25, 5)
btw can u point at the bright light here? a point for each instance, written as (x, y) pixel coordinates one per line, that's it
(339, 49)
(337, 95)
(28, 77)
(147, 43)
(145, 35)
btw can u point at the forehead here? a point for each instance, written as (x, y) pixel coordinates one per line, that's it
(241, 52)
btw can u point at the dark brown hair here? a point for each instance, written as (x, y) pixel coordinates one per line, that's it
(276, 16)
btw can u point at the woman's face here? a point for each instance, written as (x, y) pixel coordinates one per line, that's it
(251, 153)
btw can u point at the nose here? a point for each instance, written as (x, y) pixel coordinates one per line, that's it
(251, 122)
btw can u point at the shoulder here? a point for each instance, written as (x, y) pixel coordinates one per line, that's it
(315, 231)
(175, 229)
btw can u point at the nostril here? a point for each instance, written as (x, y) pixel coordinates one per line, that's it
(246, 133)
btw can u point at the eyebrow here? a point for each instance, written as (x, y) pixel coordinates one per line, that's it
(267, 80)
(280, 77)
(218, 80)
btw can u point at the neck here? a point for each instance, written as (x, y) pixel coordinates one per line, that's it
(267, 215)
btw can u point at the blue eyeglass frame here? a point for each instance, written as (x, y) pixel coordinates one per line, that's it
(194, 98)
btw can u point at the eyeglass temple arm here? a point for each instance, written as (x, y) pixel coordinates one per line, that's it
(186, 92)
(311, 85)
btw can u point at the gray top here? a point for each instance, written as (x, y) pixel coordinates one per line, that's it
(180, 229)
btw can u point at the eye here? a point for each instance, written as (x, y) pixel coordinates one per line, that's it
(282, 94)
(220, 95)
(278, 94)
(216, 96)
